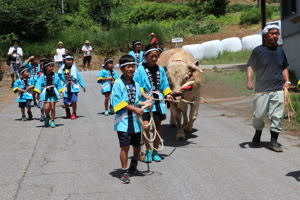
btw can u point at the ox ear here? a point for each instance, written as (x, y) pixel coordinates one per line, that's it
(197, 63)
(195, 68)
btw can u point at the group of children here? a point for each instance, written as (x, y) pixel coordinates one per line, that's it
(142, 82)
(39, 83)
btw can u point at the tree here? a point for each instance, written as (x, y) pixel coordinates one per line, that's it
(100, 10)
(206, 7)
(30, 20)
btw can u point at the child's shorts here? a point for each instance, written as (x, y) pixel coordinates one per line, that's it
(71, 98)
(26, 104)
(51, 99)
(156, 116)
(127, 139)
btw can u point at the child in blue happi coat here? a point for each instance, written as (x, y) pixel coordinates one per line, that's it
(106, 78)
(72, 82)
(23, 86)
(126, 98)
(34, 69)
(49, 86)
(40, 102)
(152, 78)
(137, 52)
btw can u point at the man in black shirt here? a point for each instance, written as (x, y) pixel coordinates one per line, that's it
(269, 63)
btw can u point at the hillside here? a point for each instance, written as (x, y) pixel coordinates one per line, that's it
(112, 25)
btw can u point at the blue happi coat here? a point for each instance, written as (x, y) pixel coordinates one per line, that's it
(141, 77)
(119, 100)
(33, 72)
(20, 84)
(141, 56)
(40, 87)
(75, 78)
(106, 85)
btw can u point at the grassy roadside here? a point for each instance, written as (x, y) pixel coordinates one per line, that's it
(232, 82)
(225, 82)
(228, 58)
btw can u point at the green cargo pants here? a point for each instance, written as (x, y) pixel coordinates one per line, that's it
(271, 104)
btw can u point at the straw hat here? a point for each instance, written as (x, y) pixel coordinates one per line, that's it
(60, 42)
(87, 42)
(152, 34)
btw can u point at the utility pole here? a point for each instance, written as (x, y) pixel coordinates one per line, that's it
(263, 13)
(62, 7)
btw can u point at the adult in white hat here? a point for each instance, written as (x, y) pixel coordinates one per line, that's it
(60, 51)
(87, 55)
(14, 60)
(269, 63)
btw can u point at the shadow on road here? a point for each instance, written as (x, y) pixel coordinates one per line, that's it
(43, 126)
(169, 136)
(64, 117)
(295, 174)
(246, 145)
(117, 173)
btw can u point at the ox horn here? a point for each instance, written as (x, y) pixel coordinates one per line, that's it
(195, 67)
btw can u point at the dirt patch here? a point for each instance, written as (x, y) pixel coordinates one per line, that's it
(227, 31)
(6, 94)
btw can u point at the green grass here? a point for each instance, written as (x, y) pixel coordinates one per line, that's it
(234, 79)
(228, 58)
(295, 97)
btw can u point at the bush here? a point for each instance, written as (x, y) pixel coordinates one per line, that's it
(104, 42)
(30, 20)
(5, 41)
(148, 11)
(211, 28)
(215, 7)
(237, 7)
(253, 16)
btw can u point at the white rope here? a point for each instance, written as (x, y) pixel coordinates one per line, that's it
(155, 133)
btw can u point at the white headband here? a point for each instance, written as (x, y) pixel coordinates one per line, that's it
(137, 43)
(109, 60)
(50, 63)
(128, 63)
(152, 49)
(268, 27)
(23, 70)
(69, 57)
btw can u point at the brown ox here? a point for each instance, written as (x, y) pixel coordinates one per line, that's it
(182, 69)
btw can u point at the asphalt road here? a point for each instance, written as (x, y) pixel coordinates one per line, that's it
(78, 160)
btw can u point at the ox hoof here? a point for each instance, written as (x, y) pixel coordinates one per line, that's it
(180, 137)
(188, 130)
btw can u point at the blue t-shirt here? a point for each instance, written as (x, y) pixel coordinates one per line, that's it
(268, 64)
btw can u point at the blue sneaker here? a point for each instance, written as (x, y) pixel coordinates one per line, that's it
(46, 122)
(106, 113)
(148, 156)
(156, 157)
(52, 124)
